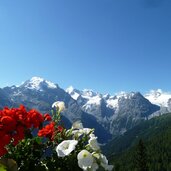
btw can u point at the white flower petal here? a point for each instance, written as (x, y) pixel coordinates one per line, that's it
(103, 159)
(92, 135)
(59, 105)
(104, 163)
(86, 130)
(77, 125)
(93, 143)
(85, 159)
(94, 167)
(96, 155)
(66, 147)
(77, 133)
(107, 167)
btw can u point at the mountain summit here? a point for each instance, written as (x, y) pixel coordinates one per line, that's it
(38, 83)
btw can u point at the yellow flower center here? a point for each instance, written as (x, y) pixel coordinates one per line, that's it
(84, 155)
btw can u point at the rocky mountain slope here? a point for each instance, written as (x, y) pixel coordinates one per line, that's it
(116, 113)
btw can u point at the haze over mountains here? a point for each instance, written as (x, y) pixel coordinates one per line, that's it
(109, 115)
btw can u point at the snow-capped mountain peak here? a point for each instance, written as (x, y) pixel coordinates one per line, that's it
(158, 97)
(89, 93)
(86, 93)
(125, 95)
(86, 98)
(73, 92)
(112, 101)
(36, 83)
(70, 89)
(89, 99)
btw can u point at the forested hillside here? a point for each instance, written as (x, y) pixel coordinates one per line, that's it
(145, 147)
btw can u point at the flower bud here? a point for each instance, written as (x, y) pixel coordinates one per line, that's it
(59, 105)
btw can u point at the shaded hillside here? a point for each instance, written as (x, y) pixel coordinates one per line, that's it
(156, 135)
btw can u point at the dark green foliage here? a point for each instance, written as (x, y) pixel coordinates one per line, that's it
(28, 153)
(140, 157)
(156, 135)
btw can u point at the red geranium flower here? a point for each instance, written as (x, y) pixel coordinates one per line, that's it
(35, 118)
(47, 131)
(5, 140)
(18, 135)
(8, 123)
(2, 151)
(47, 117)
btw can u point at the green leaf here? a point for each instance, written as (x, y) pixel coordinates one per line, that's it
(3, 168)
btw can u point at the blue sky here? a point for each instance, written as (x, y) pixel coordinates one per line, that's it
(105, 45)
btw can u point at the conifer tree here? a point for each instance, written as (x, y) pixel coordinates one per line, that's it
(141, 157)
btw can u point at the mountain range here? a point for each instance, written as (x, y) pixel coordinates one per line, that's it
(110, 115)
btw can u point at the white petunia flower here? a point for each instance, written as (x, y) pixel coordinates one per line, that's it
(93, 143)
(66, 147)
(104, 163)
(77, 125)
(94, 167)
(85, 159)
(96, 155)
(107, 167)
(103, 159)
(86, 130)
(59, 105)
(92, 135)
(77, 133)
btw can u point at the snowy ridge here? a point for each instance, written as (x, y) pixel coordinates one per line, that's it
(158, 97)
(107, 107)
(87, 95)
(112, 102)
(36, 83)
(73, 92)
(91, 100)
